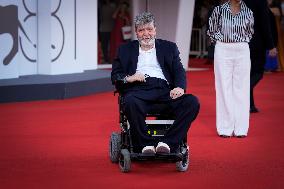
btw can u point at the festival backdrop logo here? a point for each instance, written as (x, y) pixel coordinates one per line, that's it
(10, 24)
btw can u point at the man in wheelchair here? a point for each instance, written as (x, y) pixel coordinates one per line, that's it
(148, 71)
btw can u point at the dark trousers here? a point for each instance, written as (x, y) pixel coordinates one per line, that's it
(139, 102)
(257, 70)
(254, 80)
(105, 43)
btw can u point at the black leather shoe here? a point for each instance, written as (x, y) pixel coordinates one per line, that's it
(241, 136)
(253, 109)
(224, 136)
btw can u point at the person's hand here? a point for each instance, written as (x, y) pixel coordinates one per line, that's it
(136, 77)
(176, 93)
(272, 52)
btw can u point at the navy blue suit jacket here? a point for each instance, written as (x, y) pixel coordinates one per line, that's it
(167, 52)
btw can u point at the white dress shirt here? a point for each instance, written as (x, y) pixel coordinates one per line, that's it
(148, 64)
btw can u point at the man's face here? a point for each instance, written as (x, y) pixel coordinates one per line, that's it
(146, 34)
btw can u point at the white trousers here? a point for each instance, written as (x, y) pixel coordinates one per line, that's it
(232, 84)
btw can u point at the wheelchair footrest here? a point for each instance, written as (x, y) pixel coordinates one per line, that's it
(174, 157)
(159, 122)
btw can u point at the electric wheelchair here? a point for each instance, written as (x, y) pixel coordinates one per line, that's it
(158, 121)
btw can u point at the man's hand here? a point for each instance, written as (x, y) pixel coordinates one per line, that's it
(136, 77)
(273, 52)
(176, 92)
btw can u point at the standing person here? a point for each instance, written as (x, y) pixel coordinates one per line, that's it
(122, 18)
(105, 27)
(275, 7)
(231, 26)
(149, 71)
(262, 40)
(271, 64)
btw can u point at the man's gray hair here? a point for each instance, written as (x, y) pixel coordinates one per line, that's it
(144, 18)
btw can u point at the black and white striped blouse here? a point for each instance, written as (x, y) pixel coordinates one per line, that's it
(225, 27)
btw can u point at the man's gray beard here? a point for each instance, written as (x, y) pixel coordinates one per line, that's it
(150, 43)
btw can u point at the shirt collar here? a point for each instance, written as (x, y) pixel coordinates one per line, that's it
(148, 51)
(227, 6)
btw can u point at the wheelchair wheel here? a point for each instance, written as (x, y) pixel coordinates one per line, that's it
(114, 147)
(182, 165)
(124, 161)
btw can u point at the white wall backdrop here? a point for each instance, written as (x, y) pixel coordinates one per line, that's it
(166, 14)
(58, 37)
(87, 29)
(184, 28)
(63, 39)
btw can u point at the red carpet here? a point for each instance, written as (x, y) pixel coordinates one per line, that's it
(200, 63)
(64, 144)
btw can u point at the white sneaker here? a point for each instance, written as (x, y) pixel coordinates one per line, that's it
(163, 148)
(148, 150)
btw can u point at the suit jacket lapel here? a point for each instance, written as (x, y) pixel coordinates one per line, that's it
(160, 54)
(134, 56)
